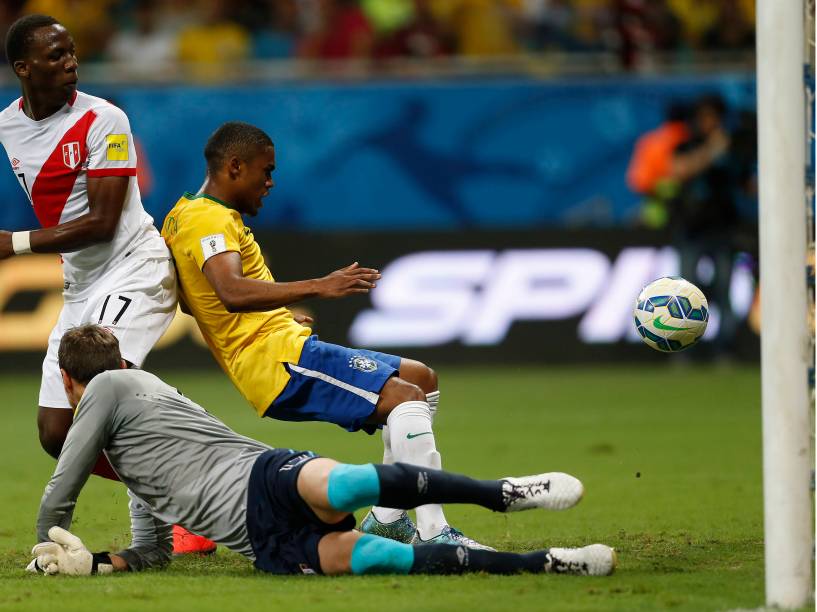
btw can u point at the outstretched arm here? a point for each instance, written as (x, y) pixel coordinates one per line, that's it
(86, 439)
(241, 294)
(152, 539)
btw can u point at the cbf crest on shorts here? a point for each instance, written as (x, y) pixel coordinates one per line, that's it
(364, 364)
(70, 154)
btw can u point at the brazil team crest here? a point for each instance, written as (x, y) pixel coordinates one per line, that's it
(364, 364)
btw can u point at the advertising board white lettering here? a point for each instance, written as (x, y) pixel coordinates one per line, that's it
(475, 296)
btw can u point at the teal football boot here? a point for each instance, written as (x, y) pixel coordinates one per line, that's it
(401, 530)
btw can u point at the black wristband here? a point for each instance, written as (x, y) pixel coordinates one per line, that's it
(103, 558)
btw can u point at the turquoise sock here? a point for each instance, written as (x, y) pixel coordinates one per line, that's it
(375, 555)
(353, 486)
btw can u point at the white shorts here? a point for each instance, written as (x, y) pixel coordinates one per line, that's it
(136, 301)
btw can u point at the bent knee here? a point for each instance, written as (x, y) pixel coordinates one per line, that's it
(53, 425)
(426, 379)
(335, 552)
(432, 384)
(51, 442)
(398, 390)
(419, 374)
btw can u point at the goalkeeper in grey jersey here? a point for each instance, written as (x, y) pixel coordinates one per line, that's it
(288, 511)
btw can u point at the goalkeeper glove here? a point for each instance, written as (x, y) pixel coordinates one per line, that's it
(66, 554)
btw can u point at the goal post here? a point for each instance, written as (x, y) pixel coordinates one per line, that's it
(785, 334)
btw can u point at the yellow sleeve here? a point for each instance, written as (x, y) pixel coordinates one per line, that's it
(211, 234)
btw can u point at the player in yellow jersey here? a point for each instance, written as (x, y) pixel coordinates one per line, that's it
(281, 369)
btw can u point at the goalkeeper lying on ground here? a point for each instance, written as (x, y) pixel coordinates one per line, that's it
(288, 511)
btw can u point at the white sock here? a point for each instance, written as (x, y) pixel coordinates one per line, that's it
(412, 441)
(433, 400)
(382, 514)
(389, 515)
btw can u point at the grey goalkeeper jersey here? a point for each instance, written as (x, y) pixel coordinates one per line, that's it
(187, 467)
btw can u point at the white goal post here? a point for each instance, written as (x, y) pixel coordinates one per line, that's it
(787, 455)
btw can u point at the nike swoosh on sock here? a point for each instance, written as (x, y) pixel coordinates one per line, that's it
(410, 436)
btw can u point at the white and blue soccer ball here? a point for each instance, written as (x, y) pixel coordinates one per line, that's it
(671, 314)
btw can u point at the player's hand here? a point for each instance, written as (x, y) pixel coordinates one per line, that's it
(66, 554)
(302, 319)
(717, 144)
(6, 249)
(347, 281)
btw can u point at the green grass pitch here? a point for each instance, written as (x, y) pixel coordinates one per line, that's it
(670, 458)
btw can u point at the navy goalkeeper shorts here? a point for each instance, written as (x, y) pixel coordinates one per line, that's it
(283, 530)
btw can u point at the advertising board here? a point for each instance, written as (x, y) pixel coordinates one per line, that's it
(445, 297)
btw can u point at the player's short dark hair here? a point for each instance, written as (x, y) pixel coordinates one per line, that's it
(88, 350)
(21, 33)
(712, 102)
(234, 139)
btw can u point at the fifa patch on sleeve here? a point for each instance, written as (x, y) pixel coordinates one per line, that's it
(213, 245)
(117, 147)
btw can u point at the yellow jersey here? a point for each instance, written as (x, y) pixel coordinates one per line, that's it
(249, 346)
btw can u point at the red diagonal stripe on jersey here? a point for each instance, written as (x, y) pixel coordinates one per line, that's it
(55, 180)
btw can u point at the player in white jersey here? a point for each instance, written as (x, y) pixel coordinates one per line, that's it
(74, 157)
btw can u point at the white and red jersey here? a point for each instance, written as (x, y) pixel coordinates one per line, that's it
(53, 159)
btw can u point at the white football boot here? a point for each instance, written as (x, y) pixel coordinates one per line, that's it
(552, 491)
(593, 560)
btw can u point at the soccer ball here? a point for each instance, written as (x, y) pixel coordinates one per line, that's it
(671, 314)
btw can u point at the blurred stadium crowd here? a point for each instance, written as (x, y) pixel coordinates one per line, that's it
(220, 32)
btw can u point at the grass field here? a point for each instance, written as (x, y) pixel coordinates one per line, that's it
(670, 458)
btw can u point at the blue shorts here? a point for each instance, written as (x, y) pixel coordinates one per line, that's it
(284, 531)
(334, 384)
